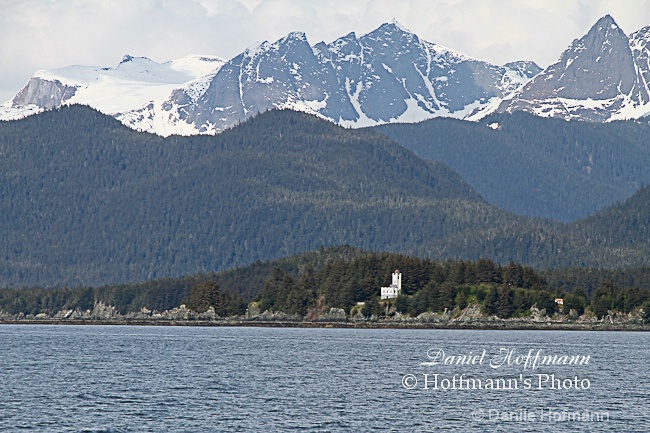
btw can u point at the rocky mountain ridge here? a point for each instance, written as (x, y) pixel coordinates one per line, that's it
(601, 77)
(387, 75)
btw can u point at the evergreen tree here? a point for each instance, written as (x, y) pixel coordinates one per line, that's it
(545, 301)
(402, 304)
(205, 295)
(513, 275)
(491, 303)
(603, 298)
(506, 302)
(372, 307)
(448, 294)
(573, 301)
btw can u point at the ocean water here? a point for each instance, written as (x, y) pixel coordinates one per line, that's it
(234, 379)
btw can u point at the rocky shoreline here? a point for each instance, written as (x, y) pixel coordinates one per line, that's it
(532, 326)
(469, 318)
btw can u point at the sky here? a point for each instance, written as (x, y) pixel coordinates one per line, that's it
(47, 34)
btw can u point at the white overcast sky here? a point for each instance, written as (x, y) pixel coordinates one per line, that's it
(46, 34)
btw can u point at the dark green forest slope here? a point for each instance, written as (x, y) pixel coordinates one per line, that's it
(86, 201)
(539, 167)
(622, 229)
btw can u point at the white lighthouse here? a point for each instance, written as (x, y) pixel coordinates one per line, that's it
(395, 288)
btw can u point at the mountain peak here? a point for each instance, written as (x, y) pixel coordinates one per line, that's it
(295, 36)
(400, 27)
(607, 20)
(607, 26)
(598, 67)
(392, 33)
(392, 27)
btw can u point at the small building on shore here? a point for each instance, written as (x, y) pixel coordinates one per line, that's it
(394, 290)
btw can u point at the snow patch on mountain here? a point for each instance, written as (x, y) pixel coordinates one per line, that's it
(10, 112)
(133, 85)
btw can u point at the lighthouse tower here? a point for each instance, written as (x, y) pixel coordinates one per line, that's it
(397, 280)
(395, 288)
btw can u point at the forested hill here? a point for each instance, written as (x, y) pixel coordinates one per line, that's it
(86, 201)
(622, 229)
(539, 167)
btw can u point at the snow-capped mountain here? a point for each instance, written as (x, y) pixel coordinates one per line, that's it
(135, 81)
(384, 76)
(601, 77)
(388, 75)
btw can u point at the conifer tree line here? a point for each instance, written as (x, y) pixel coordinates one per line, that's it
(435, 286)
(198, 292)
(342, 277)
